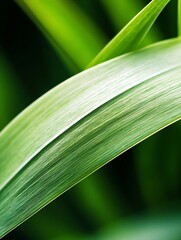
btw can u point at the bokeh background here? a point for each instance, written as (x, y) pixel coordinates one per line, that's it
(137, 193)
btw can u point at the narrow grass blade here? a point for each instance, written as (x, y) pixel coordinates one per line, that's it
(179, 18)
(132, 34)
(116, 9)
(70, 31)
(82, 124)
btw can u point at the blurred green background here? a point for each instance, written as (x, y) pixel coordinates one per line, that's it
(137, 193)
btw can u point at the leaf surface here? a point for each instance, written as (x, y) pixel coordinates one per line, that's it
(116, 9)
(179, 18)
(82, 124)
(132, 34)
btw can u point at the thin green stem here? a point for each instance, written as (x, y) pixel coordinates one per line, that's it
(179, 18)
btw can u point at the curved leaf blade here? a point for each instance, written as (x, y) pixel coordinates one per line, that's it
(82, 124)
(116, 10)
(132, 34)
(179, 18)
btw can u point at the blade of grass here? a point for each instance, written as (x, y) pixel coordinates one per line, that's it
(70, 15)
(70, 31)
(116, 9)
(129, 38)
(82, 124)
(179, 18)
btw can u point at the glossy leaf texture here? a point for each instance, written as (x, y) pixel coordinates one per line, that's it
(82, 124)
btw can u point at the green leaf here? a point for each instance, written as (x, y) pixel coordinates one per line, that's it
(132, 34)
(179, 17)
(70, 31)
(116, 9)
(82, 124)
